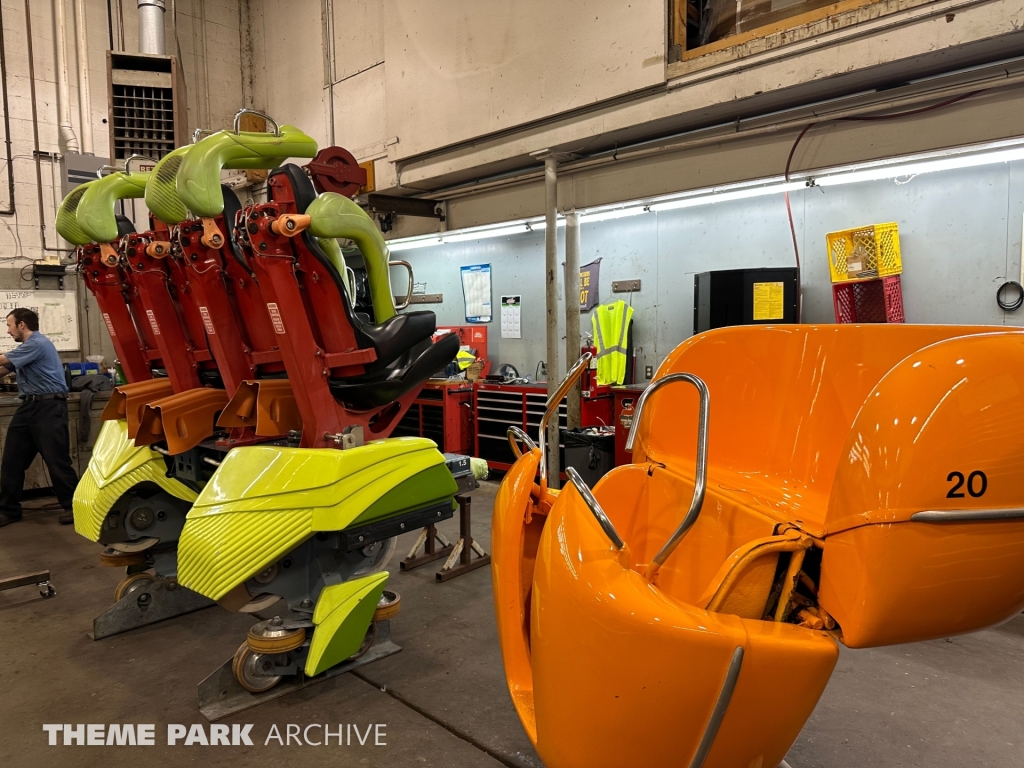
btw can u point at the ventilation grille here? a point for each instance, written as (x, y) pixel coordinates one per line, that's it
(143, 121)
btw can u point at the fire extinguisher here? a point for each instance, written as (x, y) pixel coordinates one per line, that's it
(588, 382)
(626, 415)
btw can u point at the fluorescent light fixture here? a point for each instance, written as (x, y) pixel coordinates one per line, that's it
(460, 237)
(1004, 151)
(541, 224)
(409, 244)
(735, 194)
(878, 172)
(614, 213)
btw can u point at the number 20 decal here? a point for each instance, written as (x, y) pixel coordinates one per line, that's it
(977, 484)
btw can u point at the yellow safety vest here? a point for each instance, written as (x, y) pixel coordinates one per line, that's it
(611, 324)
(465, 359)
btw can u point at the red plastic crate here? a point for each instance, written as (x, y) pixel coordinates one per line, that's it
(869, 301)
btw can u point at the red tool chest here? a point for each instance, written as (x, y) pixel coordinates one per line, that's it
(443, 411)
(499, 406)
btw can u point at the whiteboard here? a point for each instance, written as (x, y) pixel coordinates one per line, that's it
(58, 316)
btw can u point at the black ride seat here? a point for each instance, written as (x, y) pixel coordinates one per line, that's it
(406, 357)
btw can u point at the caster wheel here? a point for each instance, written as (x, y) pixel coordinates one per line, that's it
(371, 635)
(114, 559)
(270, 636)
(47, 590)
(131, 584)
(388, 606)
(244, 667)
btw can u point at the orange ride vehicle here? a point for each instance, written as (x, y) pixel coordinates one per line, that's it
(791, 488)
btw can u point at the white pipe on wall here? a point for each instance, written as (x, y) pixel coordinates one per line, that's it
(84, 100)
(151, 26)
(67, 132)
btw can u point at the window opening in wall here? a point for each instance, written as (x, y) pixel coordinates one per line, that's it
(702, 26)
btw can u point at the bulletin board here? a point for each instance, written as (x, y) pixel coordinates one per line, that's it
(58, 316)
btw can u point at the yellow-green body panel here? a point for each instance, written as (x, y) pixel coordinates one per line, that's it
(116, 466)
(96, 208)
(67, 218)
(342, 615)
(332, 215)
(198, 181)
(263, 501)
(434, 482)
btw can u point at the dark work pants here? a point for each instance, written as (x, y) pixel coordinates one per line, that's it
(38, 427)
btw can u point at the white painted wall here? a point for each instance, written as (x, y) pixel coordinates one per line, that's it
(449, 92)
(209, 53)
(213, 106)
(459, 69)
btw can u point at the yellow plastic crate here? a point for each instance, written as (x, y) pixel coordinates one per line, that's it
(862, 252)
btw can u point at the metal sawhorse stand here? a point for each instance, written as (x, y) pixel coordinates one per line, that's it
(459, 556)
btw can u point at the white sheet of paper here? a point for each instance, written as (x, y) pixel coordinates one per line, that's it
(511, 317)
(476, 286)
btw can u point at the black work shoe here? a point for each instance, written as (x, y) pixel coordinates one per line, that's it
(5, 520)
(67, 518)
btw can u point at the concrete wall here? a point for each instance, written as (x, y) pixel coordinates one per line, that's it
(442, 94)
(207, 43)
(960, 232)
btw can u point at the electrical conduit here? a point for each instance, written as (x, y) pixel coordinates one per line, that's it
(67, 133)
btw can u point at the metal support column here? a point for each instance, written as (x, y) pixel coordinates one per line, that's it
(551, 292)
(572, 311)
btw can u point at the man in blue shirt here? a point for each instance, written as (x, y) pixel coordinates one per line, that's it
(40, 425)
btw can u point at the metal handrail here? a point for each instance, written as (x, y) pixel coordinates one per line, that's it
(515, 433)
(552, 405)
(701, 471)
(408, 296)
(246, 111)
(595, 508)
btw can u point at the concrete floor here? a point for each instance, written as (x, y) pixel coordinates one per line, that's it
(938, 704)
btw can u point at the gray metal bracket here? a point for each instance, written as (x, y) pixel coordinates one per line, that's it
(220, 694)
(162, 599)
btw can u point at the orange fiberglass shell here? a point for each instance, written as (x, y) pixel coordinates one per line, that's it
(863, 484)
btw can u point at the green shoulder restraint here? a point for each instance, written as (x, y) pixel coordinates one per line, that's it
(162, 193)
(67, 216)
(96, 208)
(161, 196)
(198, 181)
(332, 215)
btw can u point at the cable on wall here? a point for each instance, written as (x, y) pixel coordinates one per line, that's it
(867, 118)
(9, 210)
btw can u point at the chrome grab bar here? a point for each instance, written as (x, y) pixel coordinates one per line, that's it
(245, 111)
(128, 162)
(595, 508)
(701, 472)
(552, 405)
(515, 436)
(350, 277)
(408, 296)
(967, 515)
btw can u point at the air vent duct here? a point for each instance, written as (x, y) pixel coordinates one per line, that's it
(147, 109)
